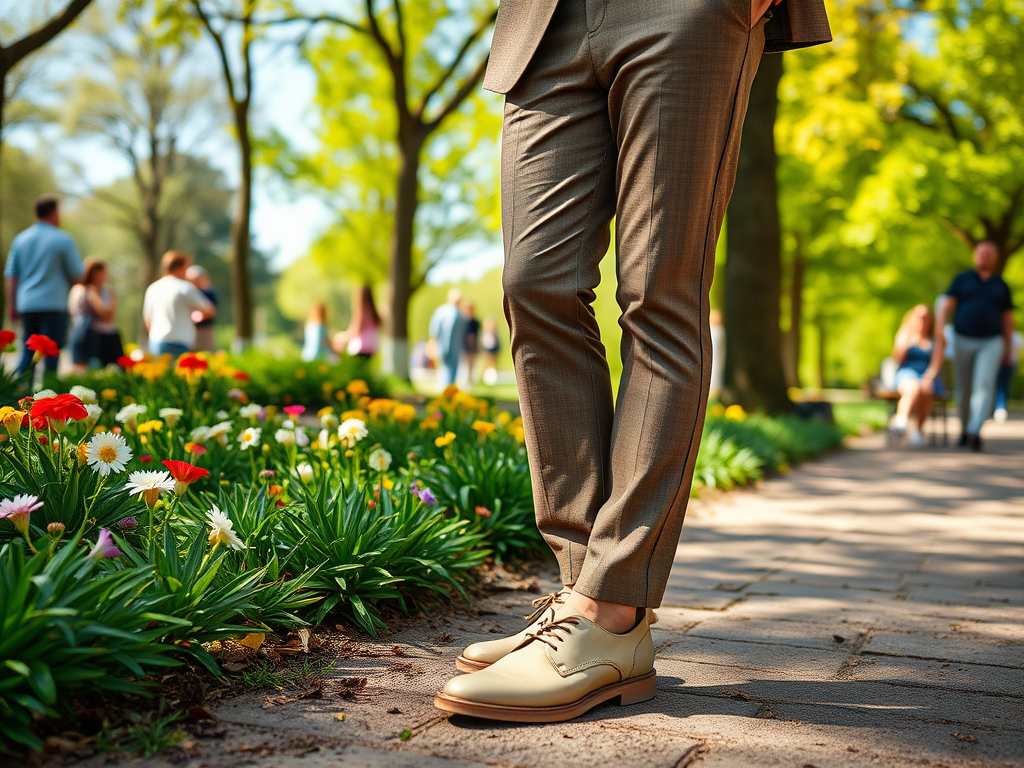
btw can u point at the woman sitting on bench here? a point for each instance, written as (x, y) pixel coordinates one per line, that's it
(913, 352)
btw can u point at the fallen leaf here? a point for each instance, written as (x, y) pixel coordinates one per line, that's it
(394, 711)
(253, 640)
(839, 638)
(236, 666)
(405, 735)
(340, 715)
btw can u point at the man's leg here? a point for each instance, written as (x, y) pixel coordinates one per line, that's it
(29, 327)
(678, 77)
(558, 177)
(963, 371)
(54, 325)
(986, 367)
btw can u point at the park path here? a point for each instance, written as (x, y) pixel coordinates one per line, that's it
(866, 608)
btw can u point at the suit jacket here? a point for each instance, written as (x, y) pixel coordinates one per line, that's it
(521, 24)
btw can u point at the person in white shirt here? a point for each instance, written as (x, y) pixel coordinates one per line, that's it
(169, 307)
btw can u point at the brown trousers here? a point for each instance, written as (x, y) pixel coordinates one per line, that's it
(631, 110)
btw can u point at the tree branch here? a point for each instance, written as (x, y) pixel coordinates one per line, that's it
(466, 45)
(221, 50)
(459, 96)
(33, 41)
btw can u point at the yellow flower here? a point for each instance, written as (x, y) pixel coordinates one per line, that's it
(484, 428)
(464, 400)
(357, 388)
(354, 414)
(445, 440)
(735, 412)
(153, 425)
(300, 374)
(327, 388)
(364, 401)
(504, 418)
(519, 434)
(404, 412)
(82, 448)
(380, 406)
(387, 483)
(717, 410)
(109, 394)
(429, 423)
(11, 418)
(324, 411)
(449, 392)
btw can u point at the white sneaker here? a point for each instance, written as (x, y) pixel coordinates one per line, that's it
(898, 424)
(916, 439)
(1000, 415)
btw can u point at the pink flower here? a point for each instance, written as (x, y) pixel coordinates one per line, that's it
(104, 546)
(18, 509)
(294, 410)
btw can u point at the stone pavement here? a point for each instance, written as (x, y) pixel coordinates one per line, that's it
(864, 609)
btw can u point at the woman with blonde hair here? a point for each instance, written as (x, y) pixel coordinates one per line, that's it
(913, 351)
(92, 306)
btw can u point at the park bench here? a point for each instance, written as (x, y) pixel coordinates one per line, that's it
(882, 388)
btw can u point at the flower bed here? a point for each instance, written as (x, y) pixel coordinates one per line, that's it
(147, 513)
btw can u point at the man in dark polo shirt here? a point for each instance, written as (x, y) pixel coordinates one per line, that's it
(981, 306)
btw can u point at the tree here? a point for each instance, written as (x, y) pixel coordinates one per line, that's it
(753, 274)
(230, 26)
(430, 56)
(13, 54)
(138, 97)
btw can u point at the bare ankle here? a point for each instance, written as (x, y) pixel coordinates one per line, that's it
(613, 617)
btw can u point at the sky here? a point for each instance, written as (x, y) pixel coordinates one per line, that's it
(284, 223)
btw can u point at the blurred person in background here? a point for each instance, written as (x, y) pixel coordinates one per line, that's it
(200, 278)
(170, 306)
(490, 345)
(314, 343)
(717, 354)
(362, 337)
(470, 343)
(981, 305)
(447, 336)
(41, 267)
(1005, 377)
(912, 350)
(92, 306)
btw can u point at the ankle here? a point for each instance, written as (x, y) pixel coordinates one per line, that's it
(613, 617)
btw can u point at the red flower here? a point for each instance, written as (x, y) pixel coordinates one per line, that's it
(483, 512)
(126, 362)
(193, 363)
(241, 375)
(294, 410)
(184, 474)
(6, 339)
(56, 411)
(44, 345)
(145, 458)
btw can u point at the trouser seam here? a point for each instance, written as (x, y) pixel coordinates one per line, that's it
(703, 270)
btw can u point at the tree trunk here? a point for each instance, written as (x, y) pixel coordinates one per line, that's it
(396, 359)
(241, 289)
(793, 337)
(753, 275)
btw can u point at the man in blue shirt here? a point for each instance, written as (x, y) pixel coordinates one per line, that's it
(981, 306)
(448, 330)
(41, 267)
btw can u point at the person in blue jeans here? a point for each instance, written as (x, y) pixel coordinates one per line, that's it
(980, 302)
(41, 267)
(913, 349)
(448, 330)
(1005, 377)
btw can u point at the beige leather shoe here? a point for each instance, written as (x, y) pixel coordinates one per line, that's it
(561, 670)
(481, 655)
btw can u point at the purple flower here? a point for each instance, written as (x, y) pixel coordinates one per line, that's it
(128, 524)
(104, 546)
(414, 487)
(427, 497)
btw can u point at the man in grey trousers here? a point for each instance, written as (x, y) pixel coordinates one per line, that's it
(631, 110)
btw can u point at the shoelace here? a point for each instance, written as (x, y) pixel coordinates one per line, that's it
(541, 604)
(548, 634)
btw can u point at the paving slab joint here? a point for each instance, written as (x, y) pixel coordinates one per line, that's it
(692, 755)
(845, 671)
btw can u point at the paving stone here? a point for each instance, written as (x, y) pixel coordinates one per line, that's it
(928, 673)
(945, 649)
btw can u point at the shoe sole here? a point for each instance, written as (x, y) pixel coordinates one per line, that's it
(468, 665)
(633, 691)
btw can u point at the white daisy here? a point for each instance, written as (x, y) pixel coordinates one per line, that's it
(285, 437)
(251, 411)
(86, 395)
(171, 416)
(329, 421)
(219, 432)
(250, 436)
(301, 438)
(305, 472)
(149, 485)
(351, 432)
(380, 460)
(43, 394)
(323, 440)
(200, 434)
(222, 530)
(222, 414)
(107, 452)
